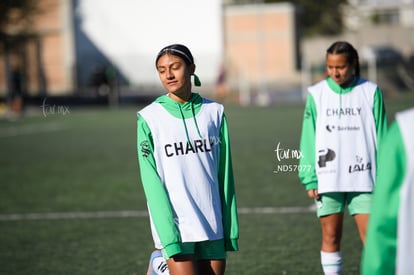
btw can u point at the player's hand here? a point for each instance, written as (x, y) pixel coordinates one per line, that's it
(313, 194)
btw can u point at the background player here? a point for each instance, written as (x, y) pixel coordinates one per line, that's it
(344, 120)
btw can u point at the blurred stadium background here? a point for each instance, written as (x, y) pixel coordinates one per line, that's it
(71, 200)
(248, 52)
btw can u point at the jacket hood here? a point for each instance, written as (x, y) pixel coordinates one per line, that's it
(183, 111)
(175, 108)
(342, 90)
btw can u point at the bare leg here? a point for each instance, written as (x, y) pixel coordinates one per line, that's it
(331, 232)
(331, 258)
(361, 221)
(182, 265)
(212, 267)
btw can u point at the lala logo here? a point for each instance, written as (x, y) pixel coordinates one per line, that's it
(359, 166)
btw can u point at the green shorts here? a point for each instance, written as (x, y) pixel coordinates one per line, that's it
(206, 250)
(335, 202)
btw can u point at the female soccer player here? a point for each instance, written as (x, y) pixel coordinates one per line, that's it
(186, 171)
(344, 121)
(390, 241)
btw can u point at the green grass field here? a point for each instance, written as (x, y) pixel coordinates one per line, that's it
(84, 161)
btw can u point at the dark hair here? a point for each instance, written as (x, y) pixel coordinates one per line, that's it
(178, 50)
(343, 47)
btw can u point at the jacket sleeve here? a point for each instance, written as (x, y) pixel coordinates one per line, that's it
(380, 249)
(307, 172)
(227, 191)
(380, 116)
(157, 198)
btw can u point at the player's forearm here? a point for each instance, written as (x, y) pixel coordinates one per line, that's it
(307, 173)
(227, 191)
(155, 193)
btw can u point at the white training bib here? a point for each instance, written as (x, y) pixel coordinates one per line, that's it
(187, 162)
(345, 138)
(405, 237)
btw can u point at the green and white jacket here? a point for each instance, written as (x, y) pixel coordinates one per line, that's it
(340, 132)
(186, 171)
(389, 247)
